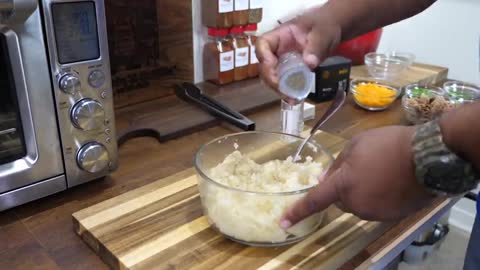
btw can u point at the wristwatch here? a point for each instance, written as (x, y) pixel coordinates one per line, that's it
(437, 168)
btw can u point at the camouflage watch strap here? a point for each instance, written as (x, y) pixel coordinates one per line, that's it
(437, 168)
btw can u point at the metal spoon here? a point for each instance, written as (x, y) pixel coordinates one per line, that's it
(334, 107)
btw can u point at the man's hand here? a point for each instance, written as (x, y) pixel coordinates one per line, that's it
(313, 35)
(318, 32)
(373, 178)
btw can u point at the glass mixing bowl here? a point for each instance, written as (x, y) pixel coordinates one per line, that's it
(253, 218)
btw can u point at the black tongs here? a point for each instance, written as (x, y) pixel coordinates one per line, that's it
(192, 93)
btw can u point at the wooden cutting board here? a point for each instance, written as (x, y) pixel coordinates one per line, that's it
(170, 117)
(161, 226)
(417, 73)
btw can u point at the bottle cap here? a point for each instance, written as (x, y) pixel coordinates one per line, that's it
(296, 79)
(251, 27)
(216, 32)
(237, 30)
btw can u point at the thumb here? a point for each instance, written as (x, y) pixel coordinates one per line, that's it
(265, 48)
(318, 199)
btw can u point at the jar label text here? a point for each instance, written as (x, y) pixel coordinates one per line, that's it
(254, 4)
(241, 5)
(225, 6)
(241, 57)
(226, 61)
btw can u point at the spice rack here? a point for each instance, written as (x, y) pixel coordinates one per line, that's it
(229, 13)
(229, 55)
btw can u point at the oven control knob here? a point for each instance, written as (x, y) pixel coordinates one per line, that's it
(70, 84)
(93, 158)
(88, 114)
(96, 78)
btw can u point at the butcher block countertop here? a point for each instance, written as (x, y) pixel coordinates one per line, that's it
(42, 235)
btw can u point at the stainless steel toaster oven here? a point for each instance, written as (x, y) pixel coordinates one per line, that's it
(57, 127)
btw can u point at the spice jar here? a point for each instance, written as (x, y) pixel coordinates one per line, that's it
(217, 13)
(218, 57)
(241, 12)
(253, 65)
(255, 13)
(242, 51)
(295, 78)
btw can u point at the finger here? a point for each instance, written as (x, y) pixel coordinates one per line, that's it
(269, 76)
(268, 44)
(265, 48)
(337, 163)
(328, 174)
(318, 47)
(317, 200)
(315, 48)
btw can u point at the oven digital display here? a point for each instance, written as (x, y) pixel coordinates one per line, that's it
(76, 31)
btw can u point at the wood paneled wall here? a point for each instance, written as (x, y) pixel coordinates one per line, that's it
(151, 47)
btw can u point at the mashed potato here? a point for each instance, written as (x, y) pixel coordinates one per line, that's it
(255, 217)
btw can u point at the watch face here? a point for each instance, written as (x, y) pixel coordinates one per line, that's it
(437, 167)
(452, 176)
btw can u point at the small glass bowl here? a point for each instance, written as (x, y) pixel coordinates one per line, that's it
(409, 58)
(423, 103)
(372, 102)
(461, 92)
(253, 218)
(388, 66)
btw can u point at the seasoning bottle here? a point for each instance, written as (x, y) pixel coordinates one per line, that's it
(241, 12)
(242, 51)
(295, 83)
(253, 65)
(295, 78)
(292, 118)
(255, 13)
(217, 13)
(218, 57)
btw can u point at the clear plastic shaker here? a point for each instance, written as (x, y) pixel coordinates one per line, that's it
(295, 78)
(295, 83)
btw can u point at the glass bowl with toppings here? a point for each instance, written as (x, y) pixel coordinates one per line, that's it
(389, 65)
(423, 103)
(461, 92)
(248, 180)
(374, 95)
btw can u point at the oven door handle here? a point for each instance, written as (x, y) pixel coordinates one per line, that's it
(16, 11)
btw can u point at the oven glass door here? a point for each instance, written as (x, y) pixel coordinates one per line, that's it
(30, 150)
(12, 141)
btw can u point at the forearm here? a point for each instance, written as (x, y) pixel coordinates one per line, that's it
(357, 17)
(461, 132)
